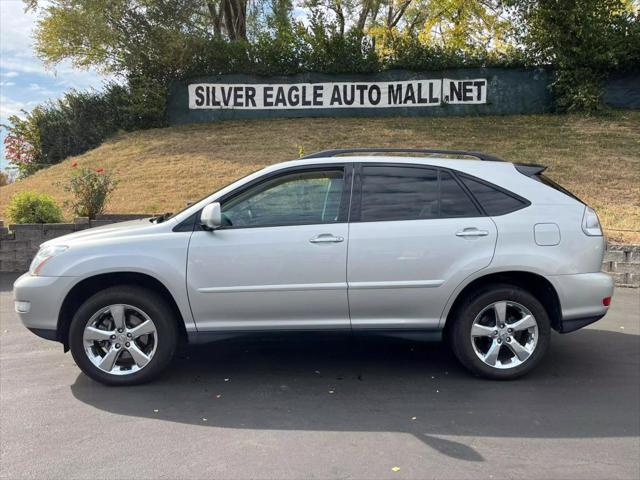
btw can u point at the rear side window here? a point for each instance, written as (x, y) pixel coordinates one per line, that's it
(411, 193)
(399, 193)
(454, 202)
(494, 201)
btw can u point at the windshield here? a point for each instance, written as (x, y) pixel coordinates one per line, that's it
(168, 216)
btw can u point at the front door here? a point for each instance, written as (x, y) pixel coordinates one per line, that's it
(279, 262)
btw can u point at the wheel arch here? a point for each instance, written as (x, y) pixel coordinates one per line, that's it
(91, 285)
(534, 283)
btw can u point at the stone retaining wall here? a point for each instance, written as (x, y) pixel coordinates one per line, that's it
(19, 243)
(623, 262)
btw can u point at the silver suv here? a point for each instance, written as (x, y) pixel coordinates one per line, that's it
(488, 254)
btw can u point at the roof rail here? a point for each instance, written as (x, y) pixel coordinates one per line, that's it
(344, 151)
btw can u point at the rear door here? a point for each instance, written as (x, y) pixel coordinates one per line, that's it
(415, 234)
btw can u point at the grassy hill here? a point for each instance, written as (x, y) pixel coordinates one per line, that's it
(159, 170)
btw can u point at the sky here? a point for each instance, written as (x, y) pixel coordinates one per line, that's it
(24, 80)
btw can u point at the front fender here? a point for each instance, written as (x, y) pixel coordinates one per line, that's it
(162, 257)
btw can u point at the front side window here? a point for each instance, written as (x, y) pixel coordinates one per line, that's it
(412, 193)
(301, 198)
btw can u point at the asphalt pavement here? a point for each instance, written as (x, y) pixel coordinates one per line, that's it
(282, 408)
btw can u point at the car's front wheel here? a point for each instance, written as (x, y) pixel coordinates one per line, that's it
(501, 332)
(123, 335)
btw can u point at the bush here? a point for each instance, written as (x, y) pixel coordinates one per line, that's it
(321, 48)
(31, 207)
(80, 121)
(90, 190)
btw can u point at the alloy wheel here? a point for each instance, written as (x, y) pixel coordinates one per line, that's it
(120, 339)
(504, 334)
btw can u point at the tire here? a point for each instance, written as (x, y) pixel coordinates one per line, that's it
(479, 312)
(135, 305)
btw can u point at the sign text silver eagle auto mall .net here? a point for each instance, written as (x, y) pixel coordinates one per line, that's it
(407, 93)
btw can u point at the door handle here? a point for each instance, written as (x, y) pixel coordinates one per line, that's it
(326, 238)
(472, 232)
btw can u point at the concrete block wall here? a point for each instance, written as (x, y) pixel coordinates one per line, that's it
(19, 243)
(623, 262)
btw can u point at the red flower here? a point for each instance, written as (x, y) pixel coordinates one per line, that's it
(100, 170)
(74, 164)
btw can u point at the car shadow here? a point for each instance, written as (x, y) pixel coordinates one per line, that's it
(587, 386)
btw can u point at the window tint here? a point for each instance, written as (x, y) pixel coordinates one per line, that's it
(411, 193)
(494, 202)
(295, 199)
(398, 193)
(454, 202)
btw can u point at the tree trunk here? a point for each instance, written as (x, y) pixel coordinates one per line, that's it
(215, 11)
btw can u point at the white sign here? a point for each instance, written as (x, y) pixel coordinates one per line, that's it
(285, 96)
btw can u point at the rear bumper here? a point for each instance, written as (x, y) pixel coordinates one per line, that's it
(567, 326)
(581, 297)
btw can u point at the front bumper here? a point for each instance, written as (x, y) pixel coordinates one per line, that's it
(44, 297)
(581, 296)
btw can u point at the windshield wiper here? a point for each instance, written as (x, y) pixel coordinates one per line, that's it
(160, 218)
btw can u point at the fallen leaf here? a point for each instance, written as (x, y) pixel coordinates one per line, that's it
(218, 396)
(395, 469)
(204, 419)
(331, 391)
(226, 379)
(155, 410)
(414, 418)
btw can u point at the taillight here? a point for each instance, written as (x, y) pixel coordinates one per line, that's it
(606, 301)
(590, 223)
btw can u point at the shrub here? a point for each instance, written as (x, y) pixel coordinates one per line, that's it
(80, 121)
(90, 190)
(4, 179)
(31, 207)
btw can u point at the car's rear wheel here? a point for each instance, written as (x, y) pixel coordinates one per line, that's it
(502, 332)
(123, 335)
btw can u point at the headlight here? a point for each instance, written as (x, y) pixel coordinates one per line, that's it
(590, 223)
(43, 256)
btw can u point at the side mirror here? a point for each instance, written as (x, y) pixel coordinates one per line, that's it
(211, 216)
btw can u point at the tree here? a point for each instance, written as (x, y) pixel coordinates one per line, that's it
(461, 24)
(153, 38)
(584, 40)
(230, 17)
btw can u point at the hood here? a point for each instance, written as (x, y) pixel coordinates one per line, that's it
(113, 230)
